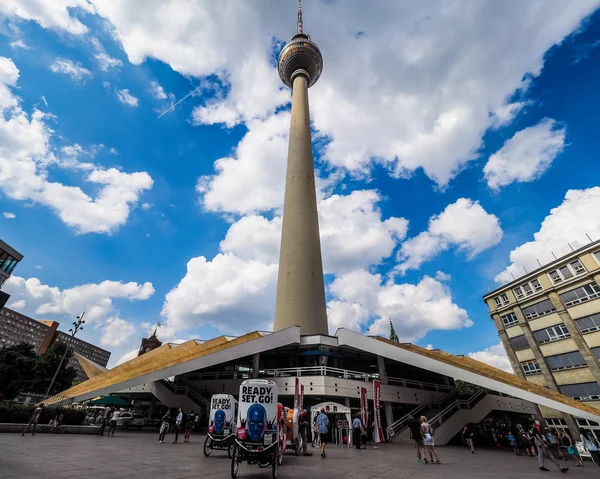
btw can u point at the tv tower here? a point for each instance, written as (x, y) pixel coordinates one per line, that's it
(300, 287)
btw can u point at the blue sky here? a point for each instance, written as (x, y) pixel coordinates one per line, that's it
(440, 155)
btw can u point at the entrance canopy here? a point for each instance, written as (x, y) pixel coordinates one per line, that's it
(330, 408)
(108, 401)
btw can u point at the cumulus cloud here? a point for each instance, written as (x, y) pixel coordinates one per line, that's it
(570, 222)
(27, 158)
(464, 224)
(158, 92)
(70, 68)
(125, 97)
(19, 44)
(415, 309)
(57, 14)
(39, 300)
(117, 332)
(128, 356)
(9, 216)
(494, 356)
(525, 156)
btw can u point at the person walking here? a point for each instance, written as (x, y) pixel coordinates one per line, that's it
(303, 429)
(590, 444)
(428, 441)
(323, 428)
(569, 449)
(542, 446)
(356, 431)
(512, 440)
(108, 412)
(189, 426)
(164, 426)
(468, 435)
(178, 422)
(414, 427)
(112, 424)
(35, 417)
(315, 433)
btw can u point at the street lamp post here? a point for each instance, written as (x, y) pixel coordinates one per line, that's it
(77, 326)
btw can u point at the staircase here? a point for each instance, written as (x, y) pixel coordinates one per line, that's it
(184, 396)
(399, 429)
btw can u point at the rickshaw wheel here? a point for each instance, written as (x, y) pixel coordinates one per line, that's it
(235, 462)
(296, 446)
(276, 460)
(231, 447)
(279, 454)
(208, 446)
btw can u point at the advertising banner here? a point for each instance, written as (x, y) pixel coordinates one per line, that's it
(378, 431)
(364, 406)
(222, 414)
(297, 394)
(257, 408)
(301, 397)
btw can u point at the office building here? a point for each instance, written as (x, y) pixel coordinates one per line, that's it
(9, 258)
(549, 323)
(17, 328)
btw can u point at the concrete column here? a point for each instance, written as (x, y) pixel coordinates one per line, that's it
(583, 347)
(255, 365)
(300, 288)
(387, 406)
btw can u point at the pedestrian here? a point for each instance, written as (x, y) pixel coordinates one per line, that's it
(541, 445)
(527, 443)
(590, 444)
(512, 440)
(468, 435)
(35, 417)
(427, 433)
(414, 427)
(553, 444)
(569, 449)
(108, 412)
(164, 426)
(189, 426)
(323, 428)
(98, 420)
(303, 429)
(315, 433)
(356, 431)
(178, 422)
(112, 424)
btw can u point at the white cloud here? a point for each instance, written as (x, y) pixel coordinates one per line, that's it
(146, 206)
(360, 296)
(127, 356)
(9, 216)
(158, 92)
(575, 217)
(525, 156)
(19, 44)
(106, 62)
(441, 276)
(70, 68)
(117, 332)
(27, 159)
(127, 98)
(464, 224)
(429, 346)
(55, 14)
(494, 356)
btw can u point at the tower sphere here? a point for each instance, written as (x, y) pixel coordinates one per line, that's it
(300, 54)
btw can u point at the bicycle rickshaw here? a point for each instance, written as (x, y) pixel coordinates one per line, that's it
(257, 437)
(222, 424)
(294, 439)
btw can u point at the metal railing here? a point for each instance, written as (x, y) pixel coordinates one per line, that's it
(401, 424)
(438, 419)
(49, 401)
(187, 390)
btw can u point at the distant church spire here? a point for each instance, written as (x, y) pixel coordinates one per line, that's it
(393, 335)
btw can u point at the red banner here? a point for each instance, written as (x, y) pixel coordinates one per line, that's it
(301, 397)
(364, 406)
(297, 394)
(378, 431)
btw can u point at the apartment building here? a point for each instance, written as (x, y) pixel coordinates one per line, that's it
(549, 323)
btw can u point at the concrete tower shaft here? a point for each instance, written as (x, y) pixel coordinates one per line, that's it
(300, 286)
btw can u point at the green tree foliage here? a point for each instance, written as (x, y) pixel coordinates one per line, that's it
(21, 370)
(11, 412)
(467, 389)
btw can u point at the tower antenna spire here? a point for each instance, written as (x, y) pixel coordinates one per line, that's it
(299, 16)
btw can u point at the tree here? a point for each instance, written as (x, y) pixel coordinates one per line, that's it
(21, 370)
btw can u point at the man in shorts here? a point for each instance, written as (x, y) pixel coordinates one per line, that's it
(34, 419)
(415, 434)
(323, 428)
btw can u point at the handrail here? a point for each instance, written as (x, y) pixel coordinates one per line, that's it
(438, 419)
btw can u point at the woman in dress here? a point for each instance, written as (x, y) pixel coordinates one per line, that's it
(568, 448)
(427, 433)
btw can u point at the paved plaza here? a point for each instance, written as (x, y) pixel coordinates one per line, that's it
(135, 454)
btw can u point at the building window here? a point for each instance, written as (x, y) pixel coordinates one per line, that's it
(596, 352)
(531, 367)
(553, 333)
(582, 391)
(501, 300)
(509, 319)
(566, 361)
(538, 309)
(580, 295)
(527, 289)
(567, 271)
(519, 342)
